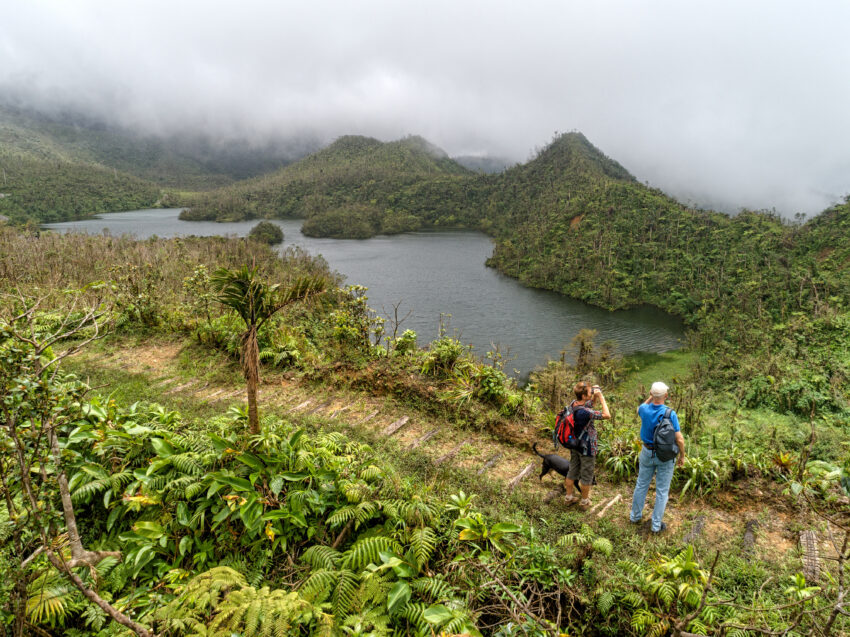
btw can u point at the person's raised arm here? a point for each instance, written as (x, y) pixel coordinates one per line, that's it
(605, 413)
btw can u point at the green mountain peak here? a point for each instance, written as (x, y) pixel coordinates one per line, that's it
(572, 153)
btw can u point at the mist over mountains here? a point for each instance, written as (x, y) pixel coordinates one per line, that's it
(716, 103)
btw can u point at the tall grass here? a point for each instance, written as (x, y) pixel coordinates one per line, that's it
(48, 263)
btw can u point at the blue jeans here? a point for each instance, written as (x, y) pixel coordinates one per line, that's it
(663, 471)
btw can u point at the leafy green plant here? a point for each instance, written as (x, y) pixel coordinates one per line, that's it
(443, 354)
(699, 475)
(475, 529)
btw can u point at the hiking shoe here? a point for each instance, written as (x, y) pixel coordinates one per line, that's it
(570, 499)
(584, 504)
(661, 530)
(635, 522)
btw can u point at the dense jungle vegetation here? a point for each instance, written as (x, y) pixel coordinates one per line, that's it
(122, 518)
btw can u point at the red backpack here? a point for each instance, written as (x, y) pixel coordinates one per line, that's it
(566, 433)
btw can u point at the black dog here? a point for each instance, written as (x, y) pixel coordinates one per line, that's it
(552, 461)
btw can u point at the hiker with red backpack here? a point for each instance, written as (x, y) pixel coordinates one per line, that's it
(577, 433)
(663, 445)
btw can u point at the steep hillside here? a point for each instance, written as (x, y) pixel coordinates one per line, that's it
(45, 191)
(764, 297)
(356, 187)
(42, 180)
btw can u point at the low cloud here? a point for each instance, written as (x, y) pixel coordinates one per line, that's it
(720, 103)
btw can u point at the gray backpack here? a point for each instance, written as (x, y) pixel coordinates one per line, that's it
(664, 438)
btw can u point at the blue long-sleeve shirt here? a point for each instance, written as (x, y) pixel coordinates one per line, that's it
(650, 416)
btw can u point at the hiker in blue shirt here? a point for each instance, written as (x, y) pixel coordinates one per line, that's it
(651, 413)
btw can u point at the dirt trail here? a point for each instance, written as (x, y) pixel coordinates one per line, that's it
(719, 522)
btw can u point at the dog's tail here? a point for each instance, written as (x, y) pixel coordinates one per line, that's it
(534, 446)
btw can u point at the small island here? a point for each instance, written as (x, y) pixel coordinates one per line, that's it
(266, 232)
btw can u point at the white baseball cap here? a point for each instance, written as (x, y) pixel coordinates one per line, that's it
(658, 389)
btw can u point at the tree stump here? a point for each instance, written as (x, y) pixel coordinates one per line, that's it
(179, 388)
(557, 492)
(613, 501)
(324, 405)
(298, 408)
(367, 418)
(750, 534)
(337, 412)
(696, 529)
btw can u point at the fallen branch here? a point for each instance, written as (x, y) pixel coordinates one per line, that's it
(520, 476)
(493, 460)
(613, 501)
(394, 427)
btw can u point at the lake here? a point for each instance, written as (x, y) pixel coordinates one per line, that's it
(430, 273)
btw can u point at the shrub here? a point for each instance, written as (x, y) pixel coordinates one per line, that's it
(266, 232)
(443, 355)
(405, 343)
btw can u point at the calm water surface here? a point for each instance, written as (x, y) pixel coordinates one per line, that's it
(434, 272)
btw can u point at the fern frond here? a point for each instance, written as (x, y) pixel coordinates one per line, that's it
(187, 463)
(374, 588)
(253, 613)
(318, 587)
(423, 542)
(698, 628)
(371, 473)
(605, 602)
(355, 492)
(365, 551)
(346, 589)
(414, 613)
(632, 599)
(48, 599)
(197, 487)
(319, 556)
(365, 511)
(602, 545)
(434, 589)
(342, 515)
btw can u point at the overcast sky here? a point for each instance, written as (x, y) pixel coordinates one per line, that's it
(732, 104)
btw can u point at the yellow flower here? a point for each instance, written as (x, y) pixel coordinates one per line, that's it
(269, 532)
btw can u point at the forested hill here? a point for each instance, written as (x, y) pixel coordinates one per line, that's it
(42, 180)
(65, 166)
(356, 187)
(767, 298)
